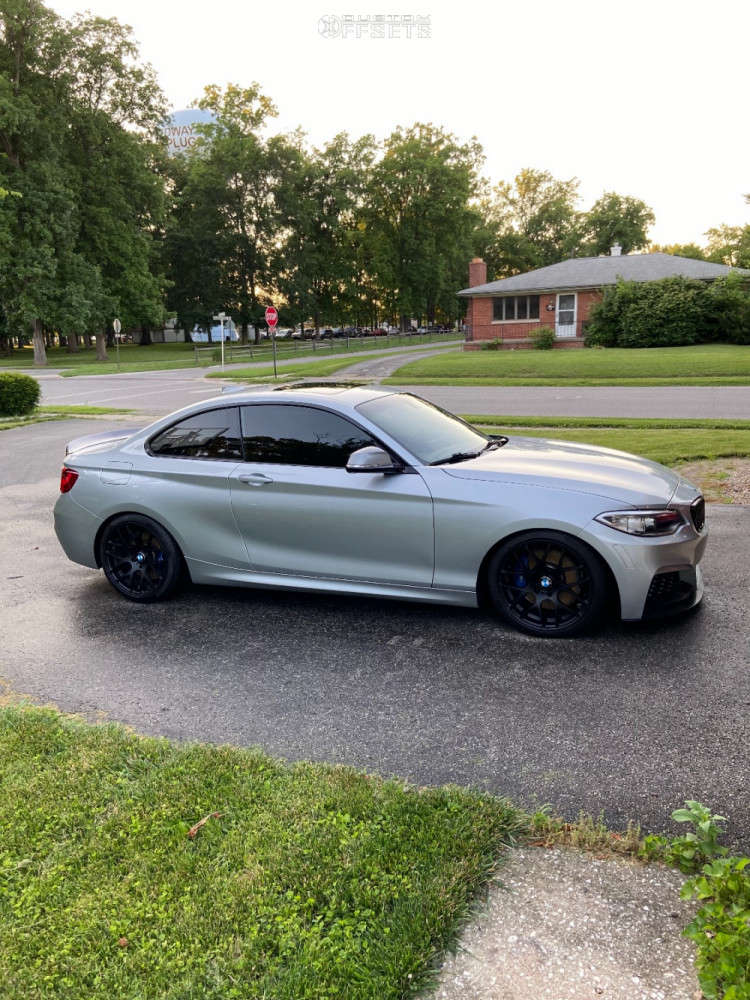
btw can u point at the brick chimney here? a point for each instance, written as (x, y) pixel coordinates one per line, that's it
(477, 272)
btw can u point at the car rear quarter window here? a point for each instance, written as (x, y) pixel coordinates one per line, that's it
(210, 434)
(299, 435)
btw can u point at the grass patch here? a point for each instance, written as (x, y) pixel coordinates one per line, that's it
(666, 446)
(58, 357)
(163, 357)
(44, 413)
(631, 423)
(105, 368)
(707, 364)
(667, 441)
(311, 882)
(314, 368)
(586, 833)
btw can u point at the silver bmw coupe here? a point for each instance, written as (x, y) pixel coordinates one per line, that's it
(358, 491)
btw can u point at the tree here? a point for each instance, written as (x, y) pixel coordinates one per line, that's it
(530, 223)
(691, 250)
(417, 220)
(74, 104)
(318, 266)
(229, 201)
(729, 245)
(616, 218)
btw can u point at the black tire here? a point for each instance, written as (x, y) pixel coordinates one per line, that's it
(547, 583)
(140, 558)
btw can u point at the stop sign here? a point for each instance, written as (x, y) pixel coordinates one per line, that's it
(272, 317)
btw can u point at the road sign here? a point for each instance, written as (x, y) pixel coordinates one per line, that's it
(116, 326)
(272, 317)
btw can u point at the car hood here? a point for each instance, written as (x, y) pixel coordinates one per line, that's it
(624, 478)
(102, 441)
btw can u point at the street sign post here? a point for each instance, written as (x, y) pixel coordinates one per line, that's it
(117, 326)
(272, 318)
(221, 317)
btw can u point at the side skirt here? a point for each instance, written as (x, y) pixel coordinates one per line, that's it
(202, 572)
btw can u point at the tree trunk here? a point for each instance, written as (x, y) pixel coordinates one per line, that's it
(72, 346)
(145, 340)
(101, 346)
(244, 333)
(257, 333)
(87, 341)
(40, 351)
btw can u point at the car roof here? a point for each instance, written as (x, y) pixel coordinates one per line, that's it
(343, 395)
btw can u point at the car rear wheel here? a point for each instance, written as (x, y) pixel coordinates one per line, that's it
(547, 583)
(140, 558)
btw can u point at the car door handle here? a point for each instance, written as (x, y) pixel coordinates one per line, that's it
(255, 479)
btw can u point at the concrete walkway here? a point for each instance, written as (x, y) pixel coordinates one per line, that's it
(564, 925)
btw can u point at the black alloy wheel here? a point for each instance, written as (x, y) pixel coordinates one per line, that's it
(140, 559)
(547, 583)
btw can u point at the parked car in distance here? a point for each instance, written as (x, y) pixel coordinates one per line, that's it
(359, 491)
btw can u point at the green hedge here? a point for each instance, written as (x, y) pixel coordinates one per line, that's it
(19, 394)
(673, 312)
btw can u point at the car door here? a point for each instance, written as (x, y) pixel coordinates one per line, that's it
(184, 484)
(302, 514)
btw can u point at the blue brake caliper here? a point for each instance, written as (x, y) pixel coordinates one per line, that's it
(523, 565)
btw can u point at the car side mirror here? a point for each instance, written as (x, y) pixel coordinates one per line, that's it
(372, 460)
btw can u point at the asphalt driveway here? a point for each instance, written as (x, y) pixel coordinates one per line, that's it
(631, 721)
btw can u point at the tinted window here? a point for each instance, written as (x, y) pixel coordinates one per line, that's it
(427, 431)
(211, 434)
(510, 308)
(299, 435)
(497, 308)
(533, 307)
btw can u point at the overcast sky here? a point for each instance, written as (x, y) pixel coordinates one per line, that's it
(644, 98)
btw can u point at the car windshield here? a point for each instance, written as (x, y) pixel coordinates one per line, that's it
(431, 434)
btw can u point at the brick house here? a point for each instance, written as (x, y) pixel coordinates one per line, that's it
(561, 296)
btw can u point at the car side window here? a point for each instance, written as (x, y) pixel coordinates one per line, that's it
(299, 435)
(211, 434)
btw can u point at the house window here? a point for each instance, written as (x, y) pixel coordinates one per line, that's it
(515, 307)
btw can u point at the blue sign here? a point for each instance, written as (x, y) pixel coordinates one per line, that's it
(180, 129)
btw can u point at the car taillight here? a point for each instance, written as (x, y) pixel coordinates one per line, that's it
(68, 479)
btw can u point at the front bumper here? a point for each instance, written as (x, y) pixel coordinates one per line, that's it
(655, 576)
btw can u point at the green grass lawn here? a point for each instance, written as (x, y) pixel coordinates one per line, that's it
(44, 413)
(668, 442)
(144, 358)
(312, 881)
(708, 364)
(162, 357)
(289, 370)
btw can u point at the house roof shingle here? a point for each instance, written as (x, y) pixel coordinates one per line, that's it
(593, 272)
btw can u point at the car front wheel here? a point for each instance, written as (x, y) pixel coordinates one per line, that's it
(547, 583)
(140, 558)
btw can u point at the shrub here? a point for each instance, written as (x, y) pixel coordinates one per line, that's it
(543, 338)
(492, 345)
(670, 313)
(721, 928)
(19, 394)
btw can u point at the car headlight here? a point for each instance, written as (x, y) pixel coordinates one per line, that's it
(643, 522)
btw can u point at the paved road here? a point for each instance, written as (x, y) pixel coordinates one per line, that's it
(162, 392)
(632, 721)
(725, 402)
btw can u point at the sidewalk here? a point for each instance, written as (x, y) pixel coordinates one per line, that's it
(564, 925)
